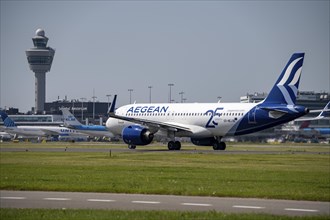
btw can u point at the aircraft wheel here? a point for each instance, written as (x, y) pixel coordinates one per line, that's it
(219, 146)
(177, 145)
(132, 147)
(222, 145)
(171, 145)
(216, 146)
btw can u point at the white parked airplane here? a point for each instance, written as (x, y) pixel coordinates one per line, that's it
(207, 123)
(91, 130)
(324, 114)
(304, 128)
(36, 131)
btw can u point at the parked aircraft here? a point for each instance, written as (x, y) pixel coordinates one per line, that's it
(4, 136)
(91, 130)
(305, 129)
(207, 123)
(324, 114)
(36, 131)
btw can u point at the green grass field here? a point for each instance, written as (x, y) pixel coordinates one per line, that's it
(35, 214)
(277, 176)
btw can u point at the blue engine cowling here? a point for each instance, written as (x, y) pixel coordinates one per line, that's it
(137, 135)
(209, 141)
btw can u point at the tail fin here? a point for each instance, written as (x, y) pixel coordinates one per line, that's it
(8, 122)
(69, 119)
(285, 89)
(112, 108)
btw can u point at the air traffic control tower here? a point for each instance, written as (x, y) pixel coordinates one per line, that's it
(40, 60)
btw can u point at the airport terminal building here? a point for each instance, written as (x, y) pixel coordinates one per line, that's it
(93, 112)
(310, 99)
(85, 112)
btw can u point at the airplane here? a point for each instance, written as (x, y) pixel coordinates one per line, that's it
(4, 136)
(36, 131)
(305, 128)
(324, 114)
(207, 123)
(92, 130)
(306, 121)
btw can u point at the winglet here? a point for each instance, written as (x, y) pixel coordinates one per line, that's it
(112, 108)
(8, 122)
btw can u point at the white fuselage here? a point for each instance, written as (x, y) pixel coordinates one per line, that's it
(203, 119)
(42, 131)
(94, 132)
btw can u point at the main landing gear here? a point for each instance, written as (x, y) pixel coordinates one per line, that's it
(174, 145)
(219, 145)
(132, 147)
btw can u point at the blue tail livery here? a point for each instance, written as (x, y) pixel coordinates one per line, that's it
(285, 89)
(8, 122)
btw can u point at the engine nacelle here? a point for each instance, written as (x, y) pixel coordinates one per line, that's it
(209, 141)
(137, 135)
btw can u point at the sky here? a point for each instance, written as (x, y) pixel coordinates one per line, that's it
(206, 49)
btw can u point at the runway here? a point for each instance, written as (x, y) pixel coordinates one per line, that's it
(79, 200)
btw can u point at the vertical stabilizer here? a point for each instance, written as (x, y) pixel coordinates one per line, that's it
(112, 108)
(8, 122)
(285, 89)
(69, 119)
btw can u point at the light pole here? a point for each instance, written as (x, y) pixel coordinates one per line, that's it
(181, 93)
(130, 95)
(170, 85)
(150, 87)
(94, 97)
(108, 100)
(73, 106)
(82, 109)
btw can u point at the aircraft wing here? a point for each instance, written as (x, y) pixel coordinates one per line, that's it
(154, 124)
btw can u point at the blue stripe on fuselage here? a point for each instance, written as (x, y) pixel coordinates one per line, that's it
(90, 128)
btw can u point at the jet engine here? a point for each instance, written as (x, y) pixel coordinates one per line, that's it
(137, 135)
